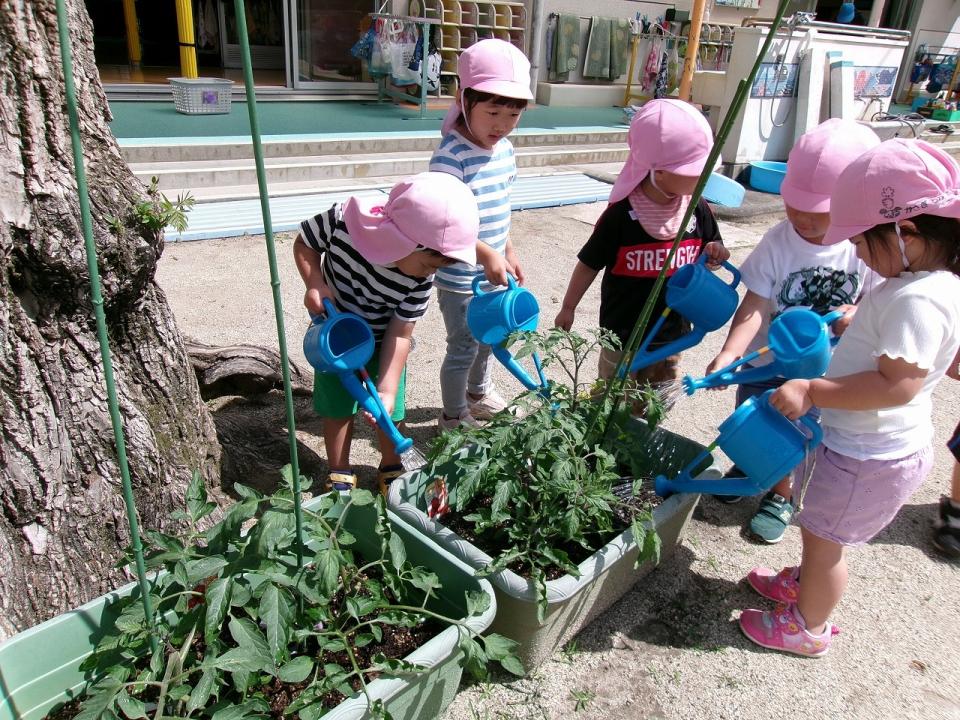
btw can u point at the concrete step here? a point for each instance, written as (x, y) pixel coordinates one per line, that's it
(161, 150)
(193, 175)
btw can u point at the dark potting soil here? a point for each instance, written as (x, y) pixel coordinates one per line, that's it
(397, 643)
(494, 540)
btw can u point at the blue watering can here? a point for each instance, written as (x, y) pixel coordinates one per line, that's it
(342, 343)
(493, 316)
(760, 441)
(702, 298)
(801, 345)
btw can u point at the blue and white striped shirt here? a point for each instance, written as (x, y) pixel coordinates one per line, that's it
(489, 175)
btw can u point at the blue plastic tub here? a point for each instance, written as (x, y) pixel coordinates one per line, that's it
(767, 176)
(722, 190)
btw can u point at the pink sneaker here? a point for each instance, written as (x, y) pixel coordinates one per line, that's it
(782, 629)
(781, 586)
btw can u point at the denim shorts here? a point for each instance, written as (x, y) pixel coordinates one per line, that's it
(849, 501)
(331, 399)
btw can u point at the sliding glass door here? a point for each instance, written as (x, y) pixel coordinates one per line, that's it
(323, 31)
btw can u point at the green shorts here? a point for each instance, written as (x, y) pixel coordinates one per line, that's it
(331, 399)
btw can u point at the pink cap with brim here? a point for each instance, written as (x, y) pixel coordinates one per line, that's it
(897, 180)
(491, 66)
(818, 158)
(669, 135)
(433, 210)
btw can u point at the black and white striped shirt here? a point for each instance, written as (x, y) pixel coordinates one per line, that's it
(374, 292)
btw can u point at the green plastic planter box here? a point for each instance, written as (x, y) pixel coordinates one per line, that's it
(604, 577)
(39, 668)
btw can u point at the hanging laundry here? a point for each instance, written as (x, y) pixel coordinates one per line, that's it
(597, 62)
(619, 48)
(651, 68)
(673, 68)
(566, 48)
(551, 39)
(660, 87)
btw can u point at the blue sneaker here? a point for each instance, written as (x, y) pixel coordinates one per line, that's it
(772, 519)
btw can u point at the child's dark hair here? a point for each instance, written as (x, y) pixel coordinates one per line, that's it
(430, 252)
(470, 98)
(941, 233)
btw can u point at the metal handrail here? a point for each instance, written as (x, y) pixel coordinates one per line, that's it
(839, 28)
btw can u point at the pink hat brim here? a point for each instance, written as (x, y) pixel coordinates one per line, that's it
(375, 236)
(804, 200)
(838, 233)
(504, 88)
(634, 173)
(450, 119)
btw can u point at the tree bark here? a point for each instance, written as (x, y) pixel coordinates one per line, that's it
(62, 521)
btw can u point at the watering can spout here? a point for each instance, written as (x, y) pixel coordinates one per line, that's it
(683, 483)
(645, 358)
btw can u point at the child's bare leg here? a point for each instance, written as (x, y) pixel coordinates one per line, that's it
(823, 578)
(337, 437)
(387, 452)
(955, 483)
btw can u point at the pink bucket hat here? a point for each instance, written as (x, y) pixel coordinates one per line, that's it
(669, 135)
(896, 180)
(817, 160)
(432, 209)
(491, 66)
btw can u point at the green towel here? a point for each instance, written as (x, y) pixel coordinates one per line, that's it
(619, 47)
(597, 63)
(566, 48)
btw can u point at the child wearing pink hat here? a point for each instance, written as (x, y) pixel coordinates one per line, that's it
(669, 144)
(378, 260)
(494, 90)
(899, 204)
(793, 266)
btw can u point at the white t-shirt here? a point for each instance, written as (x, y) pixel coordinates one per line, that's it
(915, 316)
(788, 271)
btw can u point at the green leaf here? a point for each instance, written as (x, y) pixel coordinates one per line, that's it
(250, 709)
(100, 700)
(202, 691)
(361, 497)
(297, 670)
(246, 493)
(199, 570)
(217, 602)
(477, 602)
(132, 707)
(197, 504)
(248, 636)
(328, 570)
(274, 614)
(398, 552)
(498, 647)
(501, 498)
(241, 658)
(512, 664)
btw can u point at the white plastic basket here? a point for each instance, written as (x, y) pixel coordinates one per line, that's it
(198, 96)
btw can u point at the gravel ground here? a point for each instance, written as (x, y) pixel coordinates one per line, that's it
(670, 648)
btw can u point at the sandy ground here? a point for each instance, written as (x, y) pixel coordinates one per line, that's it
(670, 648)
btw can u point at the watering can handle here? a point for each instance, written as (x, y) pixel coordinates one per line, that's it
(511, 283)
(816, 432)
(829, 319)
(728, 265)
(328, 311)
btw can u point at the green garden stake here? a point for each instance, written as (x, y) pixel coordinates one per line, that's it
(97, 298)
(274, 274)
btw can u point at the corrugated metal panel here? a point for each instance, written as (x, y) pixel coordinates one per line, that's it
(242, 217)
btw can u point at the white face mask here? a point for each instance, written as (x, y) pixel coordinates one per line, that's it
(903, 249)
(653, 181)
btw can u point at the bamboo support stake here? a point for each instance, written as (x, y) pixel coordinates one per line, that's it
(693, 47)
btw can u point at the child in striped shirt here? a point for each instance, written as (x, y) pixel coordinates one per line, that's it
(378, 262)
(494, 91)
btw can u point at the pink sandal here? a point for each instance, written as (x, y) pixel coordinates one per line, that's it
(783, 629)
(781, 586)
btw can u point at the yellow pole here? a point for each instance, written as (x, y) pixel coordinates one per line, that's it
(188, 47)
(133, 32)
(693, 47)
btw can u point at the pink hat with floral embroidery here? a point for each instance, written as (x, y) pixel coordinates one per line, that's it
(431, 210)
(491, 66)
(666, 134)
(818, 158)
(897, 180)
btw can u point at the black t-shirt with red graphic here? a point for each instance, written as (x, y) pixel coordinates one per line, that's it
(631, 260)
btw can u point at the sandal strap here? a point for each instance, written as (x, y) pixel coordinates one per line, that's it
(341, 481)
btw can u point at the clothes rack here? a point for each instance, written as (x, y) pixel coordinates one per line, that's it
(384, 87)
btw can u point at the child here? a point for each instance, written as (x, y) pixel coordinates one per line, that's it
(899, 204)
(669, 144)
(379, 262)
(946, 536)
(494, 91)
(793, 266)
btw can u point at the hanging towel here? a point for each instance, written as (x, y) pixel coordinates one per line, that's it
(566, 47)
(597, 62)
(619, 47)
(551, 39)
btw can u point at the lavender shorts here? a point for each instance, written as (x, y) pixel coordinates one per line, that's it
(849, 501)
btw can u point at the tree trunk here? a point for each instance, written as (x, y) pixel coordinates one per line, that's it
(62, 522)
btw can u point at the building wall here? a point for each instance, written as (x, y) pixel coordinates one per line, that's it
(938, 25)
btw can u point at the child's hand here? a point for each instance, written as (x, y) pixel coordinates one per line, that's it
(717, 253)
(839, 326)
(564, 319)
(313, 299)
(792, 399)
(388, 400)
(723, 358)
(514, 265)
(496, 268)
